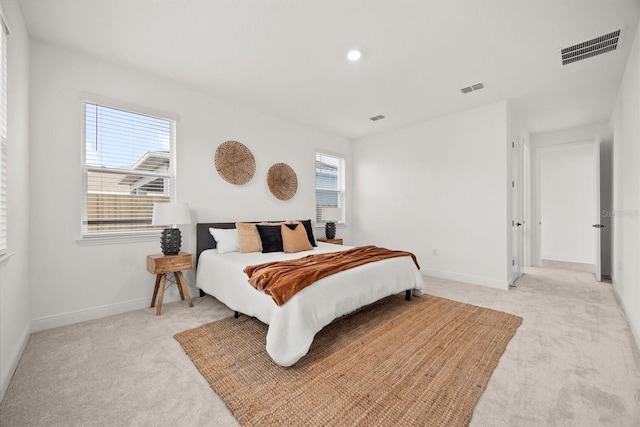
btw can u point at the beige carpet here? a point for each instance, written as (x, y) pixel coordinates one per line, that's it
(573, 362)
(423, 362)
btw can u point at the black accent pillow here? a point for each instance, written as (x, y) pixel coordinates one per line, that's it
(272, 237)
(309, 228)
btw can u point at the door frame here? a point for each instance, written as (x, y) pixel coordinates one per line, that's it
(517, 208)
(596, 215)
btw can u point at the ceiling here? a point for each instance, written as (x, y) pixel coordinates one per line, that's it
(288, 58)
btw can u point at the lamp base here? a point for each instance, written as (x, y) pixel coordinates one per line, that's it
(330, 230)
(170, 241)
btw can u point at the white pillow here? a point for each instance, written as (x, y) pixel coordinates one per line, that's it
(226, 239)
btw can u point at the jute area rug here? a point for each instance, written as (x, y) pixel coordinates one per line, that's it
(423, 362)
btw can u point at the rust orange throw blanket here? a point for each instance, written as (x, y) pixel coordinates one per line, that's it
(282, 279)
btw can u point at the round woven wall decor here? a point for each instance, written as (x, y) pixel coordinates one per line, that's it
(282, 181)
(235, 162)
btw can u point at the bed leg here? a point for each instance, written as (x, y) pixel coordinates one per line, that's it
(236, 315)
(201, 293)
(407, 295)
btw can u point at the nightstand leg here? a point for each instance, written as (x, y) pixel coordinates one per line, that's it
(183, 285)
(161, 295)
(179, 286)
(155, 290)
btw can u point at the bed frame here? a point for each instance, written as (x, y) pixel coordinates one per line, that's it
(204, 241)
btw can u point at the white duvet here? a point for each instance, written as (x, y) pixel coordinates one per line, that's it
(293, 325)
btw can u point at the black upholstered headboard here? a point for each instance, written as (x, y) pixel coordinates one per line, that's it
(204, 239)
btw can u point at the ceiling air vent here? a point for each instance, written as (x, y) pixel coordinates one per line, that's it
(472, 88)
(378, 117)
(590, 48)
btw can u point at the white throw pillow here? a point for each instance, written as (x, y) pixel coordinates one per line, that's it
(226, 239)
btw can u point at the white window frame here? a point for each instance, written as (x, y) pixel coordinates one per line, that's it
(87, 237)
(342, 197)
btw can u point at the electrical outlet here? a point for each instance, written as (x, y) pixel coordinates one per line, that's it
(435, 252)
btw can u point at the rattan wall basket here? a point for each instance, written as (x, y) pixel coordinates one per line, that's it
(282, 181)
(235, 162)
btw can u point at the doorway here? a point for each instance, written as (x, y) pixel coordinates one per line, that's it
(567, 197)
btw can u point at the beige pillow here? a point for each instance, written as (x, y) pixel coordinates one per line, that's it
(295, 240)
(248, 238)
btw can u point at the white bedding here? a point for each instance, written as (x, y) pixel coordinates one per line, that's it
(293, 325)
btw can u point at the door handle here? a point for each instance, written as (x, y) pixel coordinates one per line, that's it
(518, 224)
(598, 226)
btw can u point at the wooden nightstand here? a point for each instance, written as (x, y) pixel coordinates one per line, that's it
(334, 241)
(163, 264)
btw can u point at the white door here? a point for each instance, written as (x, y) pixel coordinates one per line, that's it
(526, 207)
(517, 217)
(597, 225)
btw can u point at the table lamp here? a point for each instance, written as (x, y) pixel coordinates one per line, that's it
(331, 215)
(171, 214)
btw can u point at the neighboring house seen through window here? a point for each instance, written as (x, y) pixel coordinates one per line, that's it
(127, 168)
(329, 184)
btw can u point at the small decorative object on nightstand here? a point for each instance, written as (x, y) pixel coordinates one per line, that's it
(163, 264)
(331, 215)
(171, 214)
(334, 241)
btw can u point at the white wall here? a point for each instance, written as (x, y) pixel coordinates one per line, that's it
(567, 178)
(15, 313)
(439, 189)
(626, 190)
(73, 282)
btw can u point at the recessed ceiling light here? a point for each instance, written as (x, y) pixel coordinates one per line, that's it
(354, 55)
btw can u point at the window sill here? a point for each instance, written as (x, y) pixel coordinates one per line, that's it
(4, 258)
(118, 239)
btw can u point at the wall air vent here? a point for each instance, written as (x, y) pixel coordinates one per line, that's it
(376, 118)
(590, 48)
(472, 88)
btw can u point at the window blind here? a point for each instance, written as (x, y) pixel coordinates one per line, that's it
(3, 138)
(127, 168)
(329, 183)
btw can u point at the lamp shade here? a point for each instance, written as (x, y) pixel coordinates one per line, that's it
(172, 213)
(331, 214)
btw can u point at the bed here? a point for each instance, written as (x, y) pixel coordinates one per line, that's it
(293, 325)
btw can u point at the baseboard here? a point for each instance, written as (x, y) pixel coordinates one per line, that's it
(78, 316)
(12, 363)
(568, 265)
(635, 334)
(466, 278)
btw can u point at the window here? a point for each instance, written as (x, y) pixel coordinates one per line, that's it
(329, 184)
(127, 168)
(3, 138)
